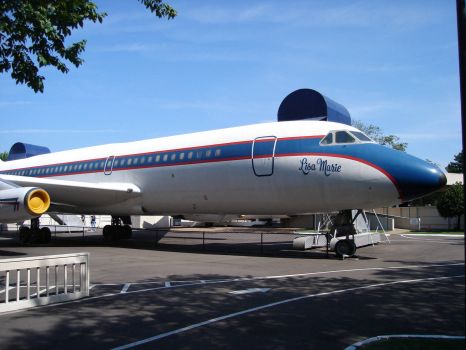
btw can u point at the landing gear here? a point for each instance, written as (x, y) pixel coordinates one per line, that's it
(343, 225)
(119, 229)
(24, 234)
(345, 247)
(35, 234)
(45, 236)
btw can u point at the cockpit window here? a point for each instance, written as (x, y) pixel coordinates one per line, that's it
(327, 140)
(361, 136)
(344, 137)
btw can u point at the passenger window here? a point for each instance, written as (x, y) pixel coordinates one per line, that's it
(208, 153)
(130, 161)
(136, 160)
(150, 159)
(181, 155)
(157, 159)
(343, 137)
(190, 155)
(327, 140)
(173, 157)
(218, 152)
(143, 160)
(165, 157)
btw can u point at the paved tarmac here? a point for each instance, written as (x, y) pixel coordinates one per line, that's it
(146, 298)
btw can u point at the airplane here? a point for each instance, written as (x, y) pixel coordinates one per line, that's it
(279, 168)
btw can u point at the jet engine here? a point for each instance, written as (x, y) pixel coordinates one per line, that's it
(23, 203)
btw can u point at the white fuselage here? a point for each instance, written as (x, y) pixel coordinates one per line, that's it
(272, 168)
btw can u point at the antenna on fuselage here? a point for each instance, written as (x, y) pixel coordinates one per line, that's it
(308, 104)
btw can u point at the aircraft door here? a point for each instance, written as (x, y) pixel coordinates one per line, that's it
(263, 153)
(109, 165)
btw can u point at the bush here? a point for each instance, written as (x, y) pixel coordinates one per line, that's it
(451, 203)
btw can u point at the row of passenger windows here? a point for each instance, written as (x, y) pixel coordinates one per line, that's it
(118, 163)
(165, 157)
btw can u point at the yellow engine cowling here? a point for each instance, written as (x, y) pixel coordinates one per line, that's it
(23, 203)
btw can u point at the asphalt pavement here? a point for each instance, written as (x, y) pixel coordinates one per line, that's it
(144, 297)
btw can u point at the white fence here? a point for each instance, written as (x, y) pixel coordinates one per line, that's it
(40, 280)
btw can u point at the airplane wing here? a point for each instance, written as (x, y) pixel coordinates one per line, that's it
(76, 193)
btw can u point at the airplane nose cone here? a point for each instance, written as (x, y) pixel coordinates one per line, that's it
(443, 180)
(420, 178)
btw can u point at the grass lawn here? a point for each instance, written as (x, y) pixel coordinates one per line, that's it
(416, 344)
(438, 232)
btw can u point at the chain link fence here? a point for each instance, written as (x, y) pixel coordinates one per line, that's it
(249, 241)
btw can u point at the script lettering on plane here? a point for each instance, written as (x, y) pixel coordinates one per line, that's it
(321, 165)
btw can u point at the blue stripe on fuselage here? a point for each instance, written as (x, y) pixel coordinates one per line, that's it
(406, 171)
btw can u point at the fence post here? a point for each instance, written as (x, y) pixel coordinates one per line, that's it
(327, 235)
(203, 240)
(156, 237)
(262, 242)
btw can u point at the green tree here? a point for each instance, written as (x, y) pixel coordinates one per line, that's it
(33, 35)
(3, 156)
(375, 133)
(457, 165)
(451, 203)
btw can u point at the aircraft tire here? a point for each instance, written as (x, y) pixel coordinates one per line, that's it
(345, 247)
(115, 233)
(107, 232)
(127, 232)
(45, 236)
(24, 234)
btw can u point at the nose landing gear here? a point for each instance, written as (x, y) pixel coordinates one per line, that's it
(343, 225)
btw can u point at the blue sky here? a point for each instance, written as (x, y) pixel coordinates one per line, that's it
(228, 63)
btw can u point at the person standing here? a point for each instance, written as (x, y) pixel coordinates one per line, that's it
(93, 222)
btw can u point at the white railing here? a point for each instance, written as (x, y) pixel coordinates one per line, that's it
(40, 280)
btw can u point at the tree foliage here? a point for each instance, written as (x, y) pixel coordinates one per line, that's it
(33, 35)
(457, 165)
(451, 203)
(375, 133)
(3, 156)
